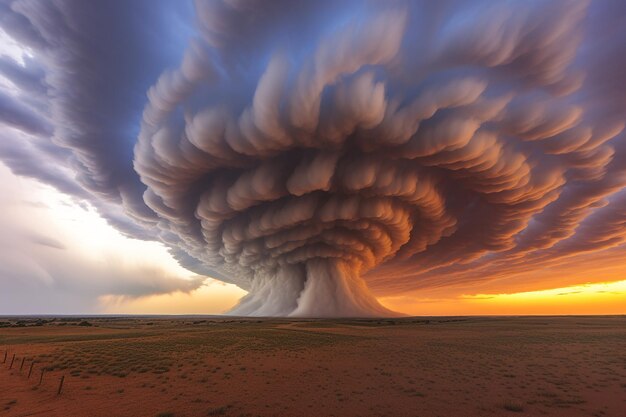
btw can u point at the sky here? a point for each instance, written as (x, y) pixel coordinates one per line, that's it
(295, 158)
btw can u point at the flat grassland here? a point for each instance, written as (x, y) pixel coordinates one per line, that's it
(177, 366)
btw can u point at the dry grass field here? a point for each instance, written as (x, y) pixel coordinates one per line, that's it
(526, 366)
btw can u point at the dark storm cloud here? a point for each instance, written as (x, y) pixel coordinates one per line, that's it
(29, 77)
(306, 150)
(15, 114)
(26, 159)
(100, 59)
(87, 67)
(19, 27)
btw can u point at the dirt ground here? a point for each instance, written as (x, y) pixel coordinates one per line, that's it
(532, 366)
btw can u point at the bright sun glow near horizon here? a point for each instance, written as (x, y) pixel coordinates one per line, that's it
(607, 298)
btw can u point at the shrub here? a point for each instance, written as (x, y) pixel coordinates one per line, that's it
(514, 406)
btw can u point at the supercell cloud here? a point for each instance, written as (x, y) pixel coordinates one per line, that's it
(315, 153)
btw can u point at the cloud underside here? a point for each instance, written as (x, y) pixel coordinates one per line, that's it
(311, 151)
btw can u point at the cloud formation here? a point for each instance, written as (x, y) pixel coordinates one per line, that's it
(46, 269)
(310, 151)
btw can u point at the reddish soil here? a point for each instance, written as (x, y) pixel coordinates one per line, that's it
(529, 366)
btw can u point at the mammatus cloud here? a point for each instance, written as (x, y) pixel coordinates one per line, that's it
(309, 151)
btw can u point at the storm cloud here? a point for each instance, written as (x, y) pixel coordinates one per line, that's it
(313, 152)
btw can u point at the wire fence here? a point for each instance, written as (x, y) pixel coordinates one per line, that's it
(27, 367)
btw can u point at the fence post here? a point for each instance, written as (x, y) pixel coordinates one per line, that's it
(12, 360)
(30, 371)
(22, 365)
(61, 385)
(41, 376)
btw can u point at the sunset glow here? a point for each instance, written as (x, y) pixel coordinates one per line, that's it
(600, 298)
